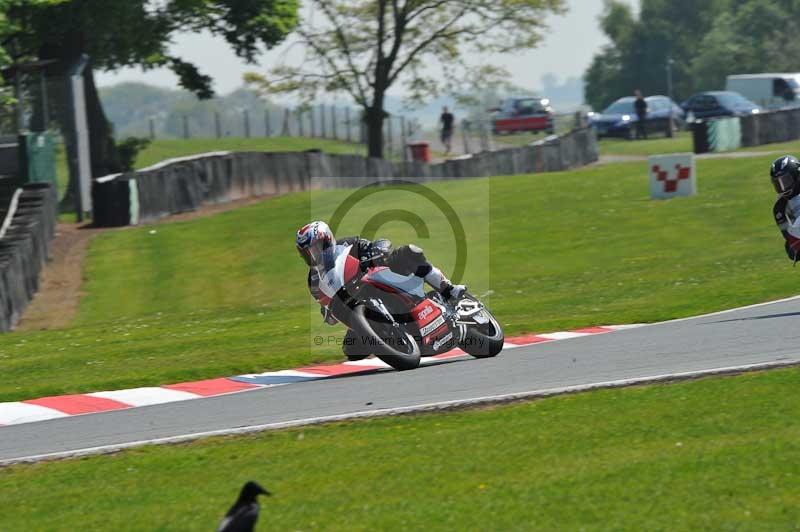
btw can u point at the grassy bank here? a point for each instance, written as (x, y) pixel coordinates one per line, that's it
(226, 294)
(718, 454)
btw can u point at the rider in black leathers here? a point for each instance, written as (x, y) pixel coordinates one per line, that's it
(405, 260)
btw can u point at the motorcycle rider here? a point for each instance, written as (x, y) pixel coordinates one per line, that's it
(317, 245)
(785, 176)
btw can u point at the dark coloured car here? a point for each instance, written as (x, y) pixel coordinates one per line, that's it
(523, 114)
(717, 104)
(619, 119)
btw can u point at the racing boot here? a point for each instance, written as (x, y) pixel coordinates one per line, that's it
(451, 292)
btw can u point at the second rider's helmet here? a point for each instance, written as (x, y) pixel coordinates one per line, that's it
(785, 175)
(314, 242)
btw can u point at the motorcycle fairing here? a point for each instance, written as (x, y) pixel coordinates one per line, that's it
(408, 284)
(345, 267)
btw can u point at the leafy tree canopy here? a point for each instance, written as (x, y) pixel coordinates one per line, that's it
(126, 33)
(640, 47)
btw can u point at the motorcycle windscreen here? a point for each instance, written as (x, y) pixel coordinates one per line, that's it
(339, 268)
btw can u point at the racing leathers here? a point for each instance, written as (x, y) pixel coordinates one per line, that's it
(405, 260)
(787, 216)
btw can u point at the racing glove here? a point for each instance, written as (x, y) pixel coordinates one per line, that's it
(327, 315)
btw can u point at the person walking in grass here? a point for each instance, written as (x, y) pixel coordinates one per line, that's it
(640, 106)
(447, 121)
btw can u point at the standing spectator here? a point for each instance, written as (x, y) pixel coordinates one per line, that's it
(447, 119)
(640, 107)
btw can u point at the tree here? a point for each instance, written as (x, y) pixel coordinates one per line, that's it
(640, 47)
(117, 34)
(365, 47)
(747, 39)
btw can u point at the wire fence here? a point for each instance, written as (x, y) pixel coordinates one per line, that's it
(329, 122)
(476, 136)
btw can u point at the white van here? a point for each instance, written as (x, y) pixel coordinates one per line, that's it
(770, 91)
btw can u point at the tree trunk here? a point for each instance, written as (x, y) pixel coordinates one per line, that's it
(374, 117)
(105, 158)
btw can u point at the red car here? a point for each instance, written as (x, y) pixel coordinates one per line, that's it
(524, 114)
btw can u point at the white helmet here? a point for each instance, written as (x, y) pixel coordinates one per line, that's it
(313, 241)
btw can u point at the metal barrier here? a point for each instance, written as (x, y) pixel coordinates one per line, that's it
(185, 184)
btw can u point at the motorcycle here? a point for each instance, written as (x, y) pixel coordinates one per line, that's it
(392, 315)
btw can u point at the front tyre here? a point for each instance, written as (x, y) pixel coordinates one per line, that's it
(392, 343)
(484, 340)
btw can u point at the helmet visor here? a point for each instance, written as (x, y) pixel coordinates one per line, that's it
(318, 254)
(306, 255)
(784, 184)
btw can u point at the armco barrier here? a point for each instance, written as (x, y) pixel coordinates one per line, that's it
(717, 135)
(756, 129)
(28, 226)
(182, 185)
(770, 127)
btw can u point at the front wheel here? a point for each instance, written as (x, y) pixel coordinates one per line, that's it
(484, 340)
(392, 343)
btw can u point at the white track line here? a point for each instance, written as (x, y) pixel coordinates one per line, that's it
(428, 407)
(721, 312)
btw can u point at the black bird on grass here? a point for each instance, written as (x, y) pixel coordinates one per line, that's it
(243, 514)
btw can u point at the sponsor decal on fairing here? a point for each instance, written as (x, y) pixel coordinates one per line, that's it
(432, 326)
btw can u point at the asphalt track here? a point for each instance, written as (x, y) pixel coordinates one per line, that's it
(760, 335)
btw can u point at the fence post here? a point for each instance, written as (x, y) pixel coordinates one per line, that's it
(217, 125)
(286, 115)
(349, 125)
(313, 122)
(267, 127)
(333, 122)
(404, 138)
(300, 128)
(45, 103)
(185, 127)
(246, 124)
(465, 127)
(389, 136)
(152, 128)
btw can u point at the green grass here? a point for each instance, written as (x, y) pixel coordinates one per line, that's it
(162, 149)
(657, 144)
(226, 294)
(717, 454)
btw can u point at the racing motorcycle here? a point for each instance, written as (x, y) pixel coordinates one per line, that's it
(393, 316)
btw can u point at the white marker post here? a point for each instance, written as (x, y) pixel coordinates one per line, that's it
(672, 175)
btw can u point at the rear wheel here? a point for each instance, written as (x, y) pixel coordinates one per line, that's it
(392, 343)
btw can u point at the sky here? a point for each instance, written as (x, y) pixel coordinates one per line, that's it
(566, 51)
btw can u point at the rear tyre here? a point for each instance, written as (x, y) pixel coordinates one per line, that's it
(393, 344)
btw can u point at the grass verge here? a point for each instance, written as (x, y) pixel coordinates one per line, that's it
(717, 454)
(657, 144)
